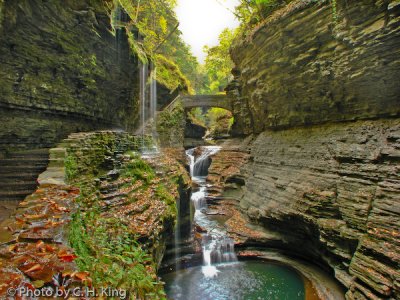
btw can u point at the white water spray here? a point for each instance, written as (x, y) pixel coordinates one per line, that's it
(216, 246)
(148, 108)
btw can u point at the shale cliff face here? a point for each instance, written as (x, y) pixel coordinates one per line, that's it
(62, 70)
(302, 68)
(330, 190)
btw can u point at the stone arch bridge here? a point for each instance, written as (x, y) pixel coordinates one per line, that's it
(221, 101)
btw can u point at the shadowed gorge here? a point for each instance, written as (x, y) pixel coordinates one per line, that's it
(268, 170)
(62, 71)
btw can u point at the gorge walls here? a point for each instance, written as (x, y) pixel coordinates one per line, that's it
(332, 193)
(323, 172)
(300, 67)
(62, 70)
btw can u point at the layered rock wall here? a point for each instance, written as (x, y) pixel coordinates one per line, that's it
(62, 70)
(332, 192)
(302, 68)
(323, 175)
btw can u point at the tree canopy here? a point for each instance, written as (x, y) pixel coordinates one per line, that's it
(160, 39)
(218, 64)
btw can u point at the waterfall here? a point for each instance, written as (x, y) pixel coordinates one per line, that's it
(143, 102)
(177, 235)
(199, 199)
(153, 99)
(199, 165)
(148, 108)
(190, 154)
(217, 248)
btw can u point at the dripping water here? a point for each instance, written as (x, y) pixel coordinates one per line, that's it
(153, 100)
(143, 102)
(148, 109)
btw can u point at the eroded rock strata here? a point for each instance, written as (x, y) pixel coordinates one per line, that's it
(323, 174)
(332, 194)
(116, 222)
(300, 67)
(62, 70)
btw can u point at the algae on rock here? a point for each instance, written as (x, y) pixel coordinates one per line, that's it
(127, 210)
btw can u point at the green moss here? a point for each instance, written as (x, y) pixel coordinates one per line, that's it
(106, 245)
(1, 13)
(137, 48)
(71, 167)
(171, 125)
(164, 195)
(334, 11)
(107, 250)
(138, 169)
(171, 119)
(169, 74)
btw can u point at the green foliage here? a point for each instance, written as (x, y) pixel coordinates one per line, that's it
(157, 22)
(196, 116)
(171, 120)
(219, 120)
(334, 10)
(218, 64)
(137, 48)
(251, 12)
(71, 167)
(107, 250)
(170, 126)
(169, 74)
(105, 245)
(138, 169)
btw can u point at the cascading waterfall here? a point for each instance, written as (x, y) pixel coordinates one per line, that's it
(198, 198)
(153, 100)
(148, 107)
(221, 276)
(216, 246)
(143, 102)
(199, 165)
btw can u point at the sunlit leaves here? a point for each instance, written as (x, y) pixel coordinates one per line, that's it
(218, 64)
(163, 24)
(156, 22)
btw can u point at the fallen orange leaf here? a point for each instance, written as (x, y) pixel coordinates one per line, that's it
(65, 256)
(36, 267)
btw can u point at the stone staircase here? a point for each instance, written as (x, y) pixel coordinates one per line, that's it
(18, 174)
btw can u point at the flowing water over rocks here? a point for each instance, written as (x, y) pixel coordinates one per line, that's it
(216, 246)
(221, 275)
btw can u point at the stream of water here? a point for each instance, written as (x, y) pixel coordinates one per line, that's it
(148, 108)
(221, 276)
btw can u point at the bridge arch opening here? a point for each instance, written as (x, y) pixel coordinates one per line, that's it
(216, 121)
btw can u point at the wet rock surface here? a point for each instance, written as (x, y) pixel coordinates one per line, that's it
(18, 177)
(301, 67)
(331, 193)
(35, 249)
(62, 70)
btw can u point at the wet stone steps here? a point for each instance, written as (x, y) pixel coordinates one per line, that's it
(18, 176)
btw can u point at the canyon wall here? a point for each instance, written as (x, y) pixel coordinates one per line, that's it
(323, 173)
(62, 70)
(300, 67)
(332, 191)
